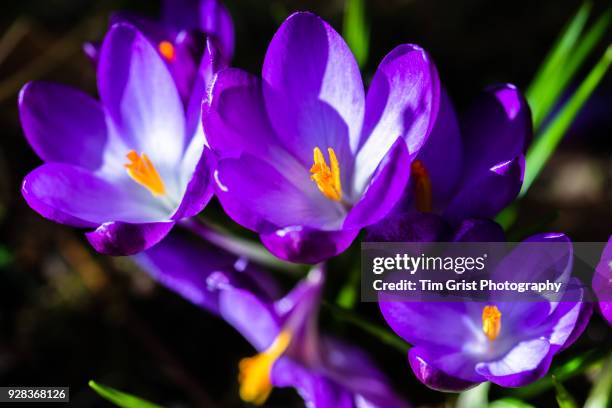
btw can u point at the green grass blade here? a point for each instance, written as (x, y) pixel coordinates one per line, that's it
(356, 30)
(545, 145)
(545, 80)
(564, 398)
(601, 394)
(509, 403)
(119, 398)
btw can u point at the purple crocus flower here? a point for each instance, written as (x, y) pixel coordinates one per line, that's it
(325, 371)
(470, 167)
(306, 157)
(128, 166)
(180, 37)
(457, 345)
(602, 282)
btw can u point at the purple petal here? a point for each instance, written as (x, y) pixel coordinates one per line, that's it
(488, 192)
(63, 124)
(72, 195)
(409, 227)
(253, 317)
(495, 130)
(442, 154)
(189, 268)
(602, 281)
(140, 96)
(385, 189)
(209, 16)
(121, 238)
(525, 363)
(305, 245)
(200, 187)
(402, 101)
(313, 90)
(153, 30)
(92, 51)
(479, 230)
(433, 377)
(255, 195)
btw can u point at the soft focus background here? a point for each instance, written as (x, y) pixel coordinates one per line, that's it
(68, 315)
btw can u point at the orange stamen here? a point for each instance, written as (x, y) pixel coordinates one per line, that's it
(326, 177)
(166, 49)
(491, 321)
(143, 172)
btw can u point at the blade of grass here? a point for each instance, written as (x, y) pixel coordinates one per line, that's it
(356, 31)
(509, 403)
(564, 398)
(601, 393)
(545, 145)
(545, 81)
(119, 398)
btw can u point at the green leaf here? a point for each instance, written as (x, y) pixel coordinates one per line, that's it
(119, 398)
(545, 145)
(474, 398)
(601, 393)
(356, 30)
(564, 398)
(509, 403)
(545, 81)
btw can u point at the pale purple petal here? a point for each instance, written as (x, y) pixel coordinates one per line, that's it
(419, 359)
(63, 124)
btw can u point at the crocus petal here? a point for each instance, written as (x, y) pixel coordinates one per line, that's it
(209, 16)
(74, 196)
(190, 268)
(255, 194)
(442, 153)
(385, 189)
(63, 124)
(433, 377)
(487, 193)
(200, 187)
(602, 282)
(496, 129)
(526, 362)
(313, 89)
(306, 245)
(121, 238)
(479, 230)
(253, 317)
(409, 227)
(153, 30)
(402, 101)
(140, 96)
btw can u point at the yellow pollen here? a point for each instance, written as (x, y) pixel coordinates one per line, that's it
(422, 186)
(491, 321)
(255, 372)
(327, 179)
(166, 49)
(142, 171)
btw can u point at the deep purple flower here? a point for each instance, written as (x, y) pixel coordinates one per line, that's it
(325, 371)
(510, 343)
(307, 159)
(128, 166)
(602, 282)
(470, 167)
(180, 37)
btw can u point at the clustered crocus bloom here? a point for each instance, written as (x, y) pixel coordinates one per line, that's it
(128, 166)
(602, 282)
(471, 167)
(508, 342)
(306, 158)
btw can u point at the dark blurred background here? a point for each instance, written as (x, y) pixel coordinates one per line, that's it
(68, 315)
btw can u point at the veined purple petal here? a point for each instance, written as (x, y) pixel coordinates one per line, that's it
(487, 193)
(402, 101)
(434, 378)
(385, 189)
(496, 129)
(72, 195)
(313, 90)
(265, 196)
(120, 238)
(140, 96)
(442, 153)
(63, 124)
(209, 16)
(602, 282)
(305, 245)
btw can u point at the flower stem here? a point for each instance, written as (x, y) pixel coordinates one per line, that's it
(373, 329)
(236, 245)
